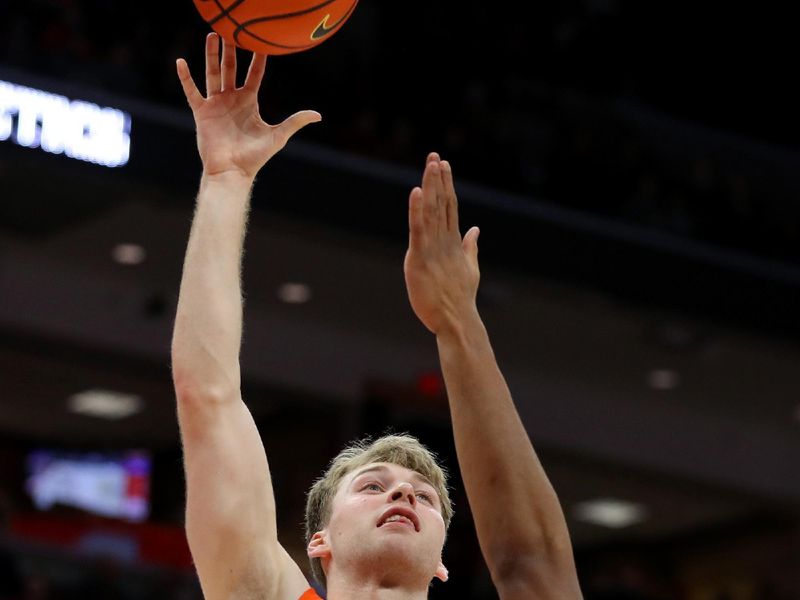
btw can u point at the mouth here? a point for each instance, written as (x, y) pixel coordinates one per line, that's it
(400, 518)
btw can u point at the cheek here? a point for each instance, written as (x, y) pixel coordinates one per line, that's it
(435, 519)
(349, 513)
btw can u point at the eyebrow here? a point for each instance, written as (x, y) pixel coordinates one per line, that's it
(383, 469)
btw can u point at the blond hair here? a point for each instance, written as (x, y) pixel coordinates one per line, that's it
(402, 449)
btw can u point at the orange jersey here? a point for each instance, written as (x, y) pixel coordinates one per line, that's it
(310, 595)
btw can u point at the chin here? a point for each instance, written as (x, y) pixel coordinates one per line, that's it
(401, 556)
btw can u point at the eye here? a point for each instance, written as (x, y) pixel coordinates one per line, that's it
(425, 497)
(372, 487)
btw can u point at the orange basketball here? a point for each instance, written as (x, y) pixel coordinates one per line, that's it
(276, 26)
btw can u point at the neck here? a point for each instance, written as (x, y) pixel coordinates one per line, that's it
(346, 588)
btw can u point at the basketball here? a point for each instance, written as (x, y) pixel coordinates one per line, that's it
(276, 26)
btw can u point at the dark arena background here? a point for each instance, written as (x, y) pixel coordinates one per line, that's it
(635, 171)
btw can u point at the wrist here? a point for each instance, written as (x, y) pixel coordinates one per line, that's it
(462, 329)
(233, 187)
(230, 178)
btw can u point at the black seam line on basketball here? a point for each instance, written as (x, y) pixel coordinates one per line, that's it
(242, 27)
(298, 13)
(326, 31)
(258, 38)
(224, 12)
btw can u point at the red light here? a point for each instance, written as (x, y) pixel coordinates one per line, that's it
(430, 384)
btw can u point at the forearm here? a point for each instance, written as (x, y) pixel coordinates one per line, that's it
(208, 324)
(516, 511)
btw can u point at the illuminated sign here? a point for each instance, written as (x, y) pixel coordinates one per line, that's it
(108, 484)
(81, 130)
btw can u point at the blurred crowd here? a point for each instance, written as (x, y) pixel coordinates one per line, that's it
(542, 103)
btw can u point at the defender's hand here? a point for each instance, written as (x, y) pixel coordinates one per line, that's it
(441, 269)
(231, 136)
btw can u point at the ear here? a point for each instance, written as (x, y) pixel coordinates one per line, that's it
(318, 546)
(441, 572)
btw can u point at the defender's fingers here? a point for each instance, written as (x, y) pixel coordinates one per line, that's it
(193, 95)
(441, 198)
(433, 156)
(416, 222)
(228, 65)
(255, 74)
(213, 83)
(451, 200)
(430, 205)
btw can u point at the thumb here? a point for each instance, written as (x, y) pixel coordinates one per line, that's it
(470, 244)
(297, 121)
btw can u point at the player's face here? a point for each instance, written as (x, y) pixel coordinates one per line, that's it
(383, 510)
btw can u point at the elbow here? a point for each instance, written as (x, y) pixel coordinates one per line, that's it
(184, 380)
(199, 375)
(511, 568)
(522, 571)
(192, 389)
(532, 578)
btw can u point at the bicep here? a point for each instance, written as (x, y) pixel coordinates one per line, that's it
(230, 507)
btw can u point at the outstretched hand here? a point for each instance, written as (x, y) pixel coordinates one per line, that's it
(231, 136)
(441, 268)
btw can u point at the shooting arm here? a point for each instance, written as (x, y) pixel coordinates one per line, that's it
(230, 506)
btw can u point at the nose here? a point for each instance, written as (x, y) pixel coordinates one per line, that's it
(404, 490)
